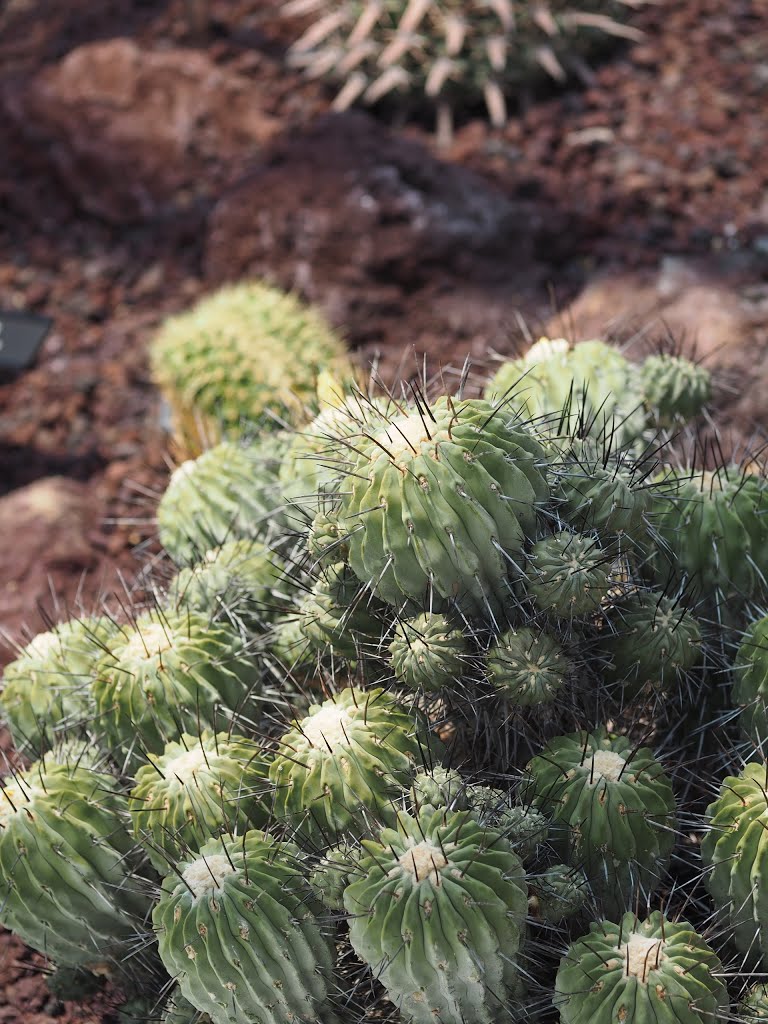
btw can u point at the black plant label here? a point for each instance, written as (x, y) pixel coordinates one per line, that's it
(21, 335)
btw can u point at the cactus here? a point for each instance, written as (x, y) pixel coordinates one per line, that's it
(335, 614)
(236, 928)
(754, 1005)
(655, 643)
(170, 672)
(656, 969)
(227, 493)
(569, 575)
(733, 850)
(438, 787)
(427, 652)
(235, 583)
(333, 872)
(558, 894)
(46, 690)
(67, 871)
(449, 53)
(342, 767)
(179, 1010)
(327, 540)
(245, 354)
(675, 390)
(527, 667)
(196, 789)
(750, 689)
(438, 912)
(524, 827)
(713, 528)
(426, 509)
(613, 812)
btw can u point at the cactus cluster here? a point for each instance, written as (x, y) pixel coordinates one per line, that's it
(438, 709)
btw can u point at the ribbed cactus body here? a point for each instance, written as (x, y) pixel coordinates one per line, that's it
(558, 893)
(343, 766)
(655, 643)
(227, 493)
(439, 787)
(239, 355)
(428, 504)
(336, 614)
(674, 389)
(427, 652)
(197, 788)
(613, 812)
(568, 575)
(754, 1006)
(713, 527)
(525, 828)
(47, 690)
(236, 927)
(600, 491)
(735, 850)
(167, 673)
(527, 666)
(750, 682)
(438, 912)
(652, 970)
(333, 872)
(67, 883)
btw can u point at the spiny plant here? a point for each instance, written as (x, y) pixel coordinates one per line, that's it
(674, 389)
(750, 682)
(527, 667)
(523, 826)
(428, 652)
(569, 575)
(236, 927)
(560, 892)
(613, 812)
(229, 492)
(447, 53)
(246, 354)
(168, 673)
(70, 883)
(438, 912)
(342, 767)
(754, 1005)
(46, 691)
(641, 970)
(197, 788)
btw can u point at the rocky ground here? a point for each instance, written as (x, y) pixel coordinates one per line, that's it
(144, 161)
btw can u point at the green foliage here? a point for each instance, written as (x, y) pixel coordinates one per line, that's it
(613, 812)
(424, 887)
(656, 970)
(236, 928)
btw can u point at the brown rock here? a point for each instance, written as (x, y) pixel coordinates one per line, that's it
(131, 130)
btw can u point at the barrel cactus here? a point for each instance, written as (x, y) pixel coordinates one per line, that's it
(754, 1005)
(524, 827)
(733, 849)
(569, 575)
(438, 787)
(438, 911)
(46, 691)
(246, 354)
(713, 528)
(236, 927)
(425, 504)
(428, 652)
(170, 672)
(655, 969)
(236, 583)
(750, 689)
(68, 882)
(613, 812)
(655, 643)
(333, 872)
(228, 492)
(341, 768)
(675, 390)
(335, 615)
(527, 666)
(450, 53)
(558, 894)
(197, 788)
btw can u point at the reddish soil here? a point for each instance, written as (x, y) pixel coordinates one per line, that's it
(648, 188)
